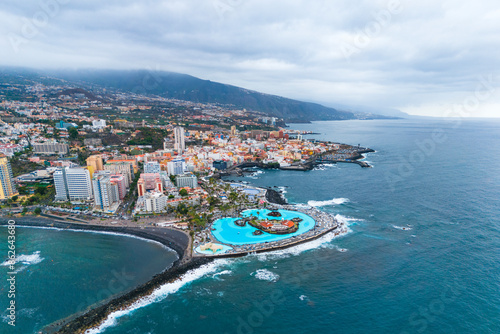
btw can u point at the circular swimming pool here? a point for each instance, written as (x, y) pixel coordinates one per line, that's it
(227, 232)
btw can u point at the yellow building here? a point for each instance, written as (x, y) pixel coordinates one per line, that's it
(91, 171)
(95, 161)
(7, 187)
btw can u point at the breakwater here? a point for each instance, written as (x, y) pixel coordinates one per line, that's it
(97, 316)
(174, 239)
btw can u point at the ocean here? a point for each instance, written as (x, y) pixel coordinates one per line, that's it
(422, 254)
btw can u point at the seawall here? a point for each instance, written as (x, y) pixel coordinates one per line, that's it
(176, 240)
(97, 316)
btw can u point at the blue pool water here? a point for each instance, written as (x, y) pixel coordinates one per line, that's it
(209, 252)
(226, 231)
(251, 191)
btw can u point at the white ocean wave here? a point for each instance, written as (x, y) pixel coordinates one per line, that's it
(301, 206)
(342, 250)
(282, 190)
(224, 272)
(255, 174)
(266, 275)
(321, 242)
(25, 259)
(324, 166)
(160, 293)
(403, 228)
(348, 221)
(334, 201)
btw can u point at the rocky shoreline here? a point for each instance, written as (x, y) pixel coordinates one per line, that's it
(97, 316)
(272, 196)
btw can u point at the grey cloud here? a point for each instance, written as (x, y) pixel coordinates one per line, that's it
(429, 53)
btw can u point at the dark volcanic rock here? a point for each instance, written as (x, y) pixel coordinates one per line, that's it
(96, 316)
(275, 197)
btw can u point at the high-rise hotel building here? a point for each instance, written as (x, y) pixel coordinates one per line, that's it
(180, 142)
(7, 187)
(106, 193)
(73, 184)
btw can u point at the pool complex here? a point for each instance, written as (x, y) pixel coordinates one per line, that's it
(251, 191)
(246, 190)
(227, 232)
(224, 249)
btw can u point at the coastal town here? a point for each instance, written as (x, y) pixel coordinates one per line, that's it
(116, 159)
(155, 168)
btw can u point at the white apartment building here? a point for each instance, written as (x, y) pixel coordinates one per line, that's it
(176, 167)
(152, 167)
(186, 180)
(106, 192)
(72, 184)
(100, 124)
(179, 140)
(50, 148)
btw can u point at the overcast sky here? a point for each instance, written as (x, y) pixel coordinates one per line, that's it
(423, 57)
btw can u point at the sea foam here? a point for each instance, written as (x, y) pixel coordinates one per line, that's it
(282, 190)
(334, 201)
(321, 242)
(224, 272)
(266, 275)
(25, 259)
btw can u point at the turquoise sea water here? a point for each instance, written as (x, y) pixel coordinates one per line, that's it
(228, 232)
(63, 272)
(440, 180)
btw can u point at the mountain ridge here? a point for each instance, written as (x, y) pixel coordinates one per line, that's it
(189, 88)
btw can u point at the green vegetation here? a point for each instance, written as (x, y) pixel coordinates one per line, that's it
(150, 136)
(273, 165)
(21, 166)
(82, 156)
(182, 209)
(73, 133)
(183, 192)
(43, 195)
